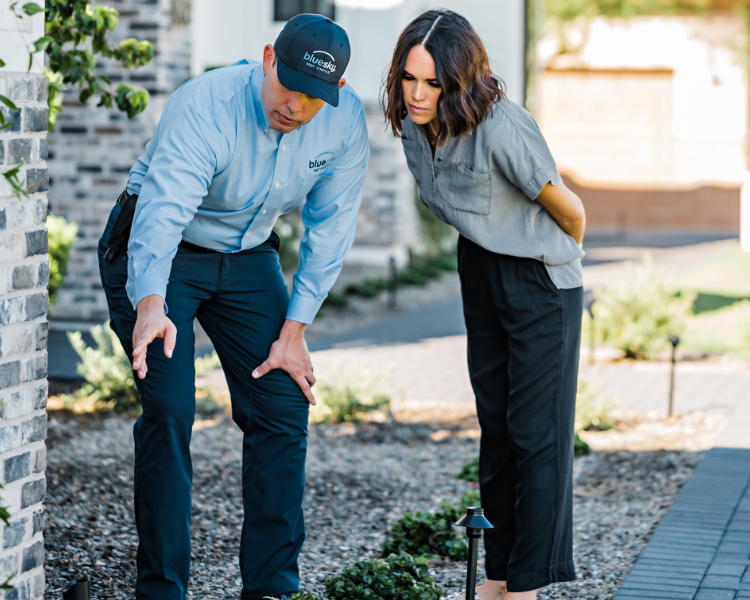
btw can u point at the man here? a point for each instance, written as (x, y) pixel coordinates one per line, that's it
(235, 148)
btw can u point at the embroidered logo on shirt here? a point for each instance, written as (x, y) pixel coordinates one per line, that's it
(320, 162)
(321, 63)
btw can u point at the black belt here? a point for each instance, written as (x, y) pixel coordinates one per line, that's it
(193, 248)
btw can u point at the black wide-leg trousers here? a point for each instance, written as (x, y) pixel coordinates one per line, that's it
(523, 346)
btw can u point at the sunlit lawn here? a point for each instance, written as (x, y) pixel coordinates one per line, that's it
(722, 281)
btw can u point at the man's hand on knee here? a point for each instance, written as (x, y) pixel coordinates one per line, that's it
(289, 353)
(152, 323)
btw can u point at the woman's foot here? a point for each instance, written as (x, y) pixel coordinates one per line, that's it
(491, 590)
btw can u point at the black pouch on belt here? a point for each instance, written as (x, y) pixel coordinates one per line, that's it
(118, 238)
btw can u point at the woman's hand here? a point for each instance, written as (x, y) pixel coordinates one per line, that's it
(565, 208)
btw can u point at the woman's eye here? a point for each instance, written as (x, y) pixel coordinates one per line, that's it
(408, 77)
(434, 84)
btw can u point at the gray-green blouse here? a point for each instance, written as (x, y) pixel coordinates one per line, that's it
(484, 184)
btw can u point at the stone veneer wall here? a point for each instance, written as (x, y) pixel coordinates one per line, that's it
(24, 273)
(92, 149)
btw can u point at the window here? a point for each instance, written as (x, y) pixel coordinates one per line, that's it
(283, 10)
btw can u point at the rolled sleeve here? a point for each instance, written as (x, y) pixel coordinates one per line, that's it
(541, 178)
(519, 150)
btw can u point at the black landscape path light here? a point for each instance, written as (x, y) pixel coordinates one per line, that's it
(77, 589)
(474, 521)
(674, 340)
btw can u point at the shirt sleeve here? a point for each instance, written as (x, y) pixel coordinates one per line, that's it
(519, 150)
(330, 219)
(189, 151)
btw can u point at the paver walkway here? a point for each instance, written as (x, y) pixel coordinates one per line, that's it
(701, 548)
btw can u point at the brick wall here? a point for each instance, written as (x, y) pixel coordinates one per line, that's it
(699, 209)
(24, 273)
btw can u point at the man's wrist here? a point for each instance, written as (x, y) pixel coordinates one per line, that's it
(153, 303)
(293, 329)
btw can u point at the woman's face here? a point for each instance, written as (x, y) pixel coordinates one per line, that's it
(420, 86)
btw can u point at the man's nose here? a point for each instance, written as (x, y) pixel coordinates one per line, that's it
(295, 101)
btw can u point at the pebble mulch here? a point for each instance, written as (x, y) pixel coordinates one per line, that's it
(360, 480)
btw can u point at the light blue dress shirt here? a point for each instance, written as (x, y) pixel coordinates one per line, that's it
(217, 176)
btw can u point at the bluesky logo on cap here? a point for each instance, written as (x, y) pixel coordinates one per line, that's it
(313, 53)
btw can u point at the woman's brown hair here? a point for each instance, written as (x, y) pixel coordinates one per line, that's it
(468, 87)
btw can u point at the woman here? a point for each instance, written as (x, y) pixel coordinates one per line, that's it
(482, 166)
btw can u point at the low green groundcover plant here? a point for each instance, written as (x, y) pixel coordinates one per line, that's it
(591, 410)
(470, 471)
(428, 534)
(400, 577)
(471, 497)
(580, 448)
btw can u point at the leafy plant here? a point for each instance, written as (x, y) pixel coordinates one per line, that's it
(580, 448)
(62, 235)
(435, 234)
(640, 312)
(204, 364)
(428, 534)
(470, 471)
(471, 497)
(110, 382)
(591, 413)
(400, 577)
(348, 393)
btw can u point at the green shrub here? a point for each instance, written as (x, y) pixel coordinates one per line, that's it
(61, 237)
(370, 288)
(348, 393)
(640, 312)
(110, 380)
(590, 412)
(335, 300)
(471, 497)
(400, 577)
(580, 448)
(203, 364)
(110, 383)
(428, 534)
(470, 471)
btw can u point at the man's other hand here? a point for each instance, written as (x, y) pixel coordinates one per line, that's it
(151, 323)
(289, 353)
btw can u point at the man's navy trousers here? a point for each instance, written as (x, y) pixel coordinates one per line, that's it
(240, 300)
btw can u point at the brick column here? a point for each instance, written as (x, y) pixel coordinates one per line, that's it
(24, 273)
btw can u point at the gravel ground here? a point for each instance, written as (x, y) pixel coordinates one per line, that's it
(366, 475)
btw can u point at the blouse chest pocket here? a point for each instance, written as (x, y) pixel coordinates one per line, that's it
(469, 191)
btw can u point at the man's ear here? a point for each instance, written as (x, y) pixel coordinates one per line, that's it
(269, 55)
(342, 83)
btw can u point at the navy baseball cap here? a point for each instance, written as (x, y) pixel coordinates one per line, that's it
(313, 53)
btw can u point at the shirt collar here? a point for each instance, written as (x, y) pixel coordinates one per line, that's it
(256, 83)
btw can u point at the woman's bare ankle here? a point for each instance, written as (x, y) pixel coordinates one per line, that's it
(521, 595)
